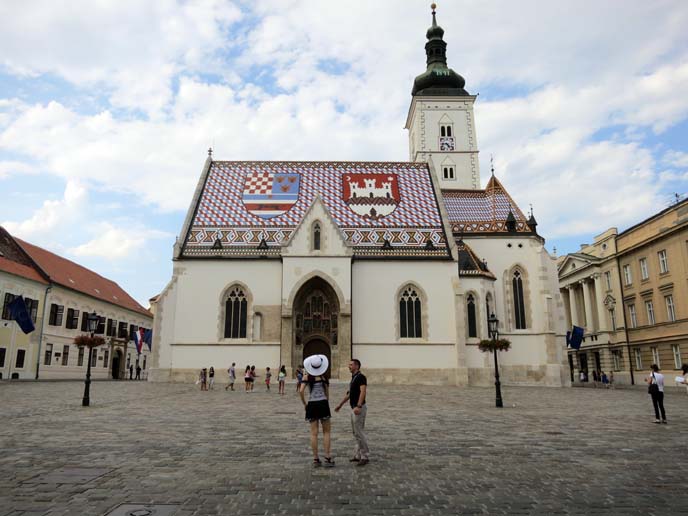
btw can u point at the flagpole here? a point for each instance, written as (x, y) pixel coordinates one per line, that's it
(40, 337)
(13, 339)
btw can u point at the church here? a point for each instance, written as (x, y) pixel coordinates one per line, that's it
(396, 264)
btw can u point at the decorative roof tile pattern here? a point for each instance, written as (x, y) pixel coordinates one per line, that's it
(244, 203)
(470, 264)
(482, 211)
(71, 275)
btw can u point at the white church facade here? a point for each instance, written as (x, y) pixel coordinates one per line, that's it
(396, 264)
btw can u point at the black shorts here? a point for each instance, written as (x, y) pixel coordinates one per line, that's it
(249, 379)
(318, 411)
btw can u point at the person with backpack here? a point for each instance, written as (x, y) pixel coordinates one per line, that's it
(318, 407)
(655, 387)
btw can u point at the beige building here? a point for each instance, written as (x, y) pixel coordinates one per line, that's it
(60, 295)
(628, 290)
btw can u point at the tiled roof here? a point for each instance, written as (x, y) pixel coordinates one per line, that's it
(243, 203)
(482, 211)
(71, 275)
(470, 264)
(19, 269)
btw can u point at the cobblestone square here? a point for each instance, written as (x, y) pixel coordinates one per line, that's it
(434, 450)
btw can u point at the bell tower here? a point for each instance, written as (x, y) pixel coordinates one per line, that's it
(440, 121)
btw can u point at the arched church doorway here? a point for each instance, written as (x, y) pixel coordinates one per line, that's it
(316, 323)
(318, 347)
(116, 364)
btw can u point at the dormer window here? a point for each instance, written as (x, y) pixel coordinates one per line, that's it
(448, 172)
(316, 236)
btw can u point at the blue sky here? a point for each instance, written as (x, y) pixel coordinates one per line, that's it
(107, 110)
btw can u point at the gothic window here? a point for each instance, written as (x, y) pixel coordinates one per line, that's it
(447, 142)
(410, 311)
(472, 318)
(236, 309)
(519, 301)
(316, 236)
(448, 172)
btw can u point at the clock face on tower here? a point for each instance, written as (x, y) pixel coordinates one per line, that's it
(446, 143)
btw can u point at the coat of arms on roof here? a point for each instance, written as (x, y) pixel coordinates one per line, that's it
(269, 194)
(371, 196)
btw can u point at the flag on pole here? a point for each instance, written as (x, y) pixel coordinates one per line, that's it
(138, 340)
(19, 313)
(576, 337)
(148, 339)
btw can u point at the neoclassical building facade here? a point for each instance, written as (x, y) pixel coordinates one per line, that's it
(396, 264)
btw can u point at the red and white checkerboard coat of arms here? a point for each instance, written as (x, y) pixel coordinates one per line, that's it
(269, 194)
(372, 196)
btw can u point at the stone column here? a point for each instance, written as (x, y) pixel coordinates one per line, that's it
(587, 305)
(572, 304)
(601, 315)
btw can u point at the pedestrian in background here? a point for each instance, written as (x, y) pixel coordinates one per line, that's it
(131, 371)
(282, 378)
(138, 371)
(247, 378)
(232, 376)
(656, 389)
(684, 369)
(299, 378)
(268, 375)
(253, 377)
(203, 379)
(211, 377)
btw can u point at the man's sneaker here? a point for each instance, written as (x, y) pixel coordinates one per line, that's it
(362, 462)
(657, 421)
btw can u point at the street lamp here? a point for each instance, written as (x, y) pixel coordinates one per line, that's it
(493, 324)
(93, 321)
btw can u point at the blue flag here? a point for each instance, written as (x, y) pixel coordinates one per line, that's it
(576, 337)
(148, 339)
(19, 313)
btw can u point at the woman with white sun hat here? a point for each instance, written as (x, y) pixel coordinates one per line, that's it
(317, 407)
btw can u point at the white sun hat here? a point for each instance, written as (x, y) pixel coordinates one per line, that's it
(316, 365)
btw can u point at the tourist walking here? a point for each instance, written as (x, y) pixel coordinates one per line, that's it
(138, 371)
(253, 377)
(282, 378)
(318, 406)
(211, 377)
(356, 395)
(268, 375)
(605, 380)
(203, 379)
(247, 378)
(232, 376)
(656, 389)
(299, 378)
(684, 370)
(131, 371)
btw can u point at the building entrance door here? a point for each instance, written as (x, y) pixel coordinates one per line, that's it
(318, 347)
(583, 359)
(598, 362)
(116, 364)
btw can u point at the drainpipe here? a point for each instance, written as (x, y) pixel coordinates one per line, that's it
(40, 338)
(623, 311)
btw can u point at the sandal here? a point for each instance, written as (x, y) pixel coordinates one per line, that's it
(329, 462)
(317, 463)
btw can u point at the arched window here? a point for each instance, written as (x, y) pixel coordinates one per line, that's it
(472, 319)
(448, 172)
(236, 308)
(443, 130)
(519, 301)
(316, 236)
(410, 311)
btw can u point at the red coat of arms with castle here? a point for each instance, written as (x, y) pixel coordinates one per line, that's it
(372, 196)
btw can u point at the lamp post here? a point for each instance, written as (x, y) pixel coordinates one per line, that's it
(493, 324)
(93, 321)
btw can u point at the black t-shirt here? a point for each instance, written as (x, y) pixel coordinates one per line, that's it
(355, 388)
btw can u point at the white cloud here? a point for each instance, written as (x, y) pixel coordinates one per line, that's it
(575, 66)
(52, 214)
(115, 243)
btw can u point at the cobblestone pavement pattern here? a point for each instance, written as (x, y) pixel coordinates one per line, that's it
(434, 450)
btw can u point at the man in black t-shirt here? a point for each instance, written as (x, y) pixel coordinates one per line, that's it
(357, 399)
